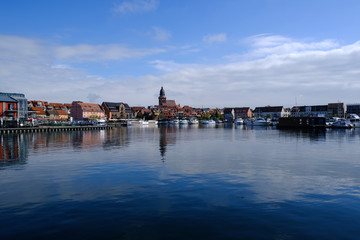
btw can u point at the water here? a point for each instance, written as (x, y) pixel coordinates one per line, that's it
(181, 183)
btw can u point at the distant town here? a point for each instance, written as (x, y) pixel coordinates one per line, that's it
(16, 110)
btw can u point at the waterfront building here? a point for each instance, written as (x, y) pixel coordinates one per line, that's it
(86, 111)
(272, 112)
(336, 110)
(8, 108)
(353, 108)
(37, 113)
(242, 112)
(116, 110)
(330, 110)
(22, 105)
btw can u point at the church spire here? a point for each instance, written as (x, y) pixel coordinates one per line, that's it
(162, 92)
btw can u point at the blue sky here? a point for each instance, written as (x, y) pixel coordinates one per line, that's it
(205, 53)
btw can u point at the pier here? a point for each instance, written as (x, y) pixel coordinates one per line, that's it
(52, 129)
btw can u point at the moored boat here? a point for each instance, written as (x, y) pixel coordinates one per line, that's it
(239, 121)
(183, 122)
(260, 122)
(342, 123)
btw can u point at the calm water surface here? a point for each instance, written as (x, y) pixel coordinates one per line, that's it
(181, 183)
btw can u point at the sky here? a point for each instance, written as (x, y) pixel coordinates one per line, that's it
(205, 53)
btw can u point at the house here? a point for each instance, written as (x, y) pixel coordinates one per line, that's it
(35, 103)
(242, 112)
(116, 110)
(8, 108)
(229, 114)
(37, 112)
(53, 114)
(68, 107)
(63, 114)
(271, 112)
(86, 111)
(22, 105)
(57, 106)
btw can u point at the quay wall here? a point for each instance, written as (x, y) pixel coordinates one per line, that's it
(51, 129)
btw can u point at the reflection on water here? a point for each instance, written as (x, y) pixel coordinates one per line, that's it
(224, 181)
(13, 149)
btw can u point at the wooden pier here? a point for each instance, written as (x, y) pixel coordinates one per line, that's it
(52, 129)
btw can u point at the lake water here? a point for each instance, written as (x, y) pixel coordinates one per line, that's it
(181, 183)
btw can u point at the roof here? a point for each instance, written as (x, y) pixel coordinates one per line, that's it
(115, 104)
(170, 103)
(38, 110)
(57, 105)
(268, 109)
(62, 112)
(5, 98)
(90, 107)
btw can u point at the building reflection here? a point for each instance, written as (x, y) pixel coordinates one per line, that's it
(13, 149)
(115, 138)
(167, 136)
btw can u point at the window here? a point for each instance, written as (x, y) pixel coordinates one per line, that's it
(11, 106)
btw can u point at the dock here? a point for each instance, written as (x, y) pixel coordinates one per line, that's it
(301, 122)
(52, 129)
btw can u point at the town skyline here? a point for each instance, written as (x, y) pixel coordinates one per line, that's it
(205, 53)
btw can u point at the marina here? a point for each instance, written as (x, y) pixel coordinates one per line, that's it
(180, 182)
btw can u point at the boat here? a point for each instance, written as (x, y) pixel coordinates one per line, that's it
(239, 121)
(193, 121)
(137, 122)
(355, 120)
(207, 122)
(342, 123)
(163, 122)
(260, 122)
(183, 122)
(174, 121)
(153, 122)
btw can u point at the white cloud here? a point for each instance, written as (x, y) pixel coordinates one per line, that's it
(85, 52)
(215, 38)
(160, 34)
(319, 72)
(265, 44)
(136, 6)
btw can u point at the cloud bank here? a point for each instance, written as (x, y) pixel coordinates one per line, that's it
(273, 71)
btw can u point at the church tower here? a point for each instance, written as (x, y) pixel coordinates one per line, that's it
(162, 98)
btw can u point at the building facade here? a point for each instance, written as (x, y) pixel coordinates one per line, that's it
(353, 109)
(242, 112)
(22, 105)
(116, 110)
(8, 108)
(272, 112)
(86, 111)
